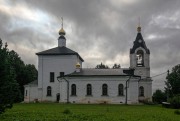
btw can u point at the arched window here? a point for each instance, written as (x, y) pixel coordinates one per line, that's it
(104, 90)
(89, 89)
(120, 90)
(73, 90)
(49, 91)
(141, 91)
(140, 58)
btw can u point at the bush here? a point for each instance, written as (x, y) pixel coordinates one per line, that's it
(175, 102)
(67, 111)
(159, 97)
(177, 112)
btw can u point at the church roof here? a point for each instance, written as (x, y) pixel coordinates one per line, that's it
(59, 51)
(138, 44)
(98, 72)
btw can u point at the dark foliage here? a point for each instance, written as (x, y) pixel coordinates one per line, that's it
(116, 66)
(175, 101)
(101, 66)
(9, 88)
(14, 74)
(159, 97)
(173, 82)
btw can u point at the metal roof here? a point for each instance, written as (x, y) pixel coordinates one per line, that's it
(60, 51)
(99, 72)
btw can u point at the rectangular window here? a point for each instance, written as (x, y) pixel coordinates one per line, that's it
(26, 93)
(61, 74)
(51, 76)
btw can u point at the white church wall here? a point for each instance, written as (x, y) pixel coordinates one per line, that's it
(147, 84)
(56, 64)
(133, 92)
(113, 97)
(31, 93)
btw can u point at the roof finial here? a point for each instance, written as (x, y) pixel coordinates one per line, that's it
(61, 31)
(139, 27)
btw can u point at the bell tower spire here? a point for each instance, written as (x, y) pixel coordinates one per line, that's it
(62, 33)
(140, 54)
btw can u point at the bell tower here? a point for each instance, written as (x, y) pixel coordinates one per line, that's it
(139, 56)
(140, 62)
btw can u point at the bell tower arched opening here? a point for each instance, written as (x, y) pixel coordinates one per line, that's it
(140, 58)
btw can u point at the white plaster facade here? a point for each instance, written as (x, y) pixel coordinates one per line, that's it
(62, 59)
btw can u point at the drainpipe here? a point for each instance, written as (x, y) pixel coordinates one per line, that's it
(138, 87)
(67, 89)
(129, 72)
(127, 88)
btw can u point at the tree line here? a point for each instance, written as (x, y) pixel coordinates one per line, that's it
(103, 66)
(14, 74)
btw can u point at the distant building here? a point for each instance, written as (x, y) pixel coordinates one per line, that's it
(61, 77)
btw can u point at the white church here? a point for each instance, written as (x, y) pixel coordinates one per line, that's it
(61, 77)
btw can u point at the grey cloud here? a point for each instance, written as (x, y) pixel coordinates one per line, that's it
(92, 21)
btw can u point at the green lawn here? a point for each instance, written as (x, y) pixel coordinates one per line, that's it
(56, 112)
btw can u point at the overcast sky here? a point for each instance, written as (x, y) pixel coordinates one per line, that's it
(99, 30)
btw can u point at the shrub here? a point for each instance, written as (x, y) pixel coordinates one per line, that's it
(175, 102)
(159, 96)
(177, 112)
(67, 111)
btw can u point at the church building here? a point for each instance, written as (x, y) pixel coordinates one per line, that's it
(61, 77)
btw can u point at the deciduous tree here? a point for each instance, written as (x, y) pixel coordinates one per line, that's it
(173, 81)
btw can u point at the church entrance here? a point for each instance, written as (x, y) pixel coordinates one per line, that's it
(57, 97)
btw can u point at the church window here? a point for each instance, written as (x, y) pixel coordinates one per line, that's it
(73, 90)
(49, 91)
(120, 90)
(26, 93)
(89, 89)
(104, 90)
(51, 76)
(140, 58)
(141, 91)
(61, 74)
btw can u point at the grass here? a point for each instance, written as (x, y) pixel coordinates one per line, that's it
(79, 112)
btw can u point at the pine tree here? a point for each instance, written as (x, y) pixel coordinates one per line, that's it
(8, 86)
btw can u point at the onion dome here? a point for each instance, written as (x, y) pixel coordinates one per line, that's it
(62, 32)
(78, 65)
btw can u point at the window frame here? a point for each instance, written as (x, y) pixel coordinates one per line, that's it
(88, 90)
(73, 90)
(49, 91)
(120, 90)
(104, 90)
(141, 91)
(52, 75)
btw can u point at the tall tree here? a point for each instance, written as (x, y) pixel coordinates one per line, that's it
(8, 86)
(24, 73)
(173, 81)
(101, 66)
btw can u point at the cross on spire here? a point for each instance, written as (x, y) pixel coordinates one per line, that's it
(61, 31)
(62, 22)
(139, 27)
